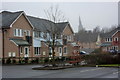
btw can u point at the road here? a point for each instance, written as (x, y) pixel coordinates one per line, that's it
(25, 71)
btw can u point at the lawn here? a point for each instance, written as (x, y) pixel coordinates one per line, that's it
(109, 65)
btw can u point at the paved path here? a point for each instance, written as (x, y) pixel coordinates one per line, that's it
(25, 71)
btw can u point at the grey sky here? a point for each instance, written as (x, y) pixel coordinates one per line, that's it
(104, 14)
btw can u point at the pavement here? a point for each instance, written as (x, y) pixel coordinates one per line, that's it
(25, 71)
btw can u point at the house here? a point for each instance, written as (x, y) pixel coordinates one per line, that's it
(87, 40)
(111, 40)
(67, 38)
(16, 34)
(42, 35)
(27, 36)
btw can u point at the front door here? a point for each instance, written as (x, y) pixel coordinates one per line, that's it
(26, 52)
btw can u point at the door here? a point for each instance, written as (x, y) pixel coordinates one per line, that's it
(26, 52)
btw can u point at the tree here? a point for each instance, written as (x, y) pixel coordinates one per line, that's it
(97, 30)
(55, 15)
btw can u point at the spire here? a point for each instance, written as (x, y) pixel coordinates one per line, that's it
(80, 27)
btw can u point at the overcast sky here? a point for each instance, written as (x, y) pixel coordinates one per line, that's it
(104, 14)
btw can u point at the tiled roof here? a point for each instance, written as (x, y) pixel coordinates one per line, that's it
(20, 42)
(40, 24)
(106, 44)
(86, 37)
(62, 26)
(109, 34)
(7, 18)
(46, 25)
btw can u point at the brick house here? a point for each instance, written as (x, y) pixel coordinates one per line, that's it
(42, 35)
(15, 35)
(87, 40)
(111, 40)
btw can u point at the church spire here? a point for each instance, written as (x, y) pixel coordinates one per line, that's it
(80, 27)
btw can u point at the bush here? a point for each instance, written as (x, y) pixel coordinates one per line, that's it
(26, 60)
(8, 61)
(101, 59)
(37, 60)
(13, 61)
(46, 60)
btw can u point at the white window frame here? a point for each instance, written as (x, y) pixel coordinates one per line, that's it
(37, 50)
(18, 34)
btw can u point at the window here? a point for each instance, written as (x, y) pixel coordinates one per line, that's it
(42, 34)
(10, 54)
(50, 50)
(20, 49)
(65, 49)
(27, 33)
(37, 34)
(13, 55)
(18, 32)
(60, 50)
(37, 50)
(108, 39)
(15, 32)
(116, 39)
(115, 47)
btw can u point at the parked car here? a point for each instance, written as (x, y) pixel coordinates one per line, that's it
(113, 51)
(83, 52)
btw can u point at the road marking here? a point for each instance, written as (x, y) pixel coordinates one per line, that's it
(116, 72)
(91, 70)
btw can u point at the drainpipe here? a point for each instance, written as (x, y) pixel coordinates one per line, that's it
(3, 44)
(19, 53)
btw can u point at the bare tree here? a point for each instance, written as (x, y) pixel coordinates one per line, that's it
(55, 15)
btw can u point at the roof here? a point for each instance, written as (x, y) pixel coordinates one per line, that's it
(109, 34)
(86, 37)
(106, 44)
(7, 18)
(40, 24)
(45, 25)
(61, 26)
(57, 44)
(20, 42)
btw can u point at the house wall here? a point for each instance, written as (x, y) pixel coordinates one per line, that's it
(118, 43)
(1, 48)
(68, 32)
(21, 23)
(44, 50)
(88, 45)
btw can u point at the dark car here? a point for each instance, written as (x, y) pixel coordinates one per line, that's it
(113, 51)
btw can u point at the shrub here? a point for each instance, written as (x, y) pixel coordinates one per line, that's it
(37, 60)
(26, 60)
(101, 59)
(46, 60)
(13, 61)
(8, 61)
